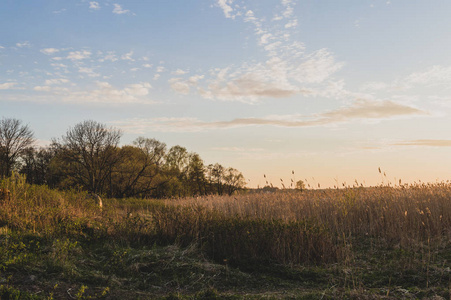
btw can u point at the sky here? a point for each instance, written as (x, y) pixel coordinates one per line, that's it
(328, 90)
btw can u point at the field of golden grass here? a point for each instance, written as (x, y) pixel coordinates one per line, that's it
(353, 242)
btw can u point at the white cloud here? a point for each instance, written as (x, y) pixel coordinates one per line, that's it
(147, 66)
(56, 81)
(317, 67)
(292, 24)
(105, 93)
(25, 44)
(160, 69)
(179, 72)
(42, 88)
(276, 78)
(193, 80)
(7, 85)
(128, 56)
(88, 71)
(226, 8)
(180, 86)
(156, 76)
(119, 10)
(265, 38)
(288, 4)
(138, 89)
(111, 56)
(183, 86)
(57, 66)
(287, 71)
(434, 76)
(94, 5)
(78, 55)
(49, 51)
(374, 86)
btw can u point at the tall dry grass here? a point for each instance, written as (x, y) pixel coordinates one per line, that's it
(406, 214)
(288, 227)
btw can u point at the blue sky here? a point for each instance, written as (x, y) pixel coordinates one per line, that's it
(330, 89)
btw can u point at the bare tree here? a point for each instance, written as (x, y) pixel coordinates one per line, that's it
(15, 138)
(89, 150)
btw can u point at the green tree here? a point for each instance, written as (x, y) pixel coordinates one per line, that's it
(139, 168)
(176, 168)
(196, 175)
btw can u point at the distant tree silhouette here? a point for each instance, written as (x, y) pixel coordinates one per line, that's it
(88, 157)
(300, 185)
(15, 138)
(89, 154)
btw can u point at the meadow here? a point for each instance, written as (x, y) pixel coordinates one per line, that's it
(384, 242)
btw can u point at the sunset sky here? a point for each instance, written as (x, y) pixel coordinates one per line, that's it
(330, 89)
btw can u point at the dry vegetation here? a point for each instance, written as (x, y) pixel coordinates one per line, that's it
(380, 242)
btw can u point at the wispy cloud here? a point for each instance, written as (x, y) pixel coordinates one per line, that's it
(428, 143)
(56, 81)
(360, 110)
(430, 78)
(49, 51)
(179, 72)
(183, 86)
(109, 56)
(94, 5)
(128, 56)
(79, 55)
(226, 8)
(88, 71)
(179, 85)
(7, 85)
(119, 10)
(364, 109)
(45, 88)
(237, 149)
(287, 71)
(59, 11)
(434, 76)
(25, 44)
(105, 93)
(276, 78)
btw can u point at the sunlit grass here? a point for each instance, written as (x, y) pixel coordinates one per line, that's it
(359, 234)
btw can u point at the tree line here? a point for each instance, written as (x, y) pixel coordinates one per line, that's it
(89, 157)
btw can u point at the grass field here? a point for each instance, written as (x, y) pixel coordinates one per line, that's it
(356, 243)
